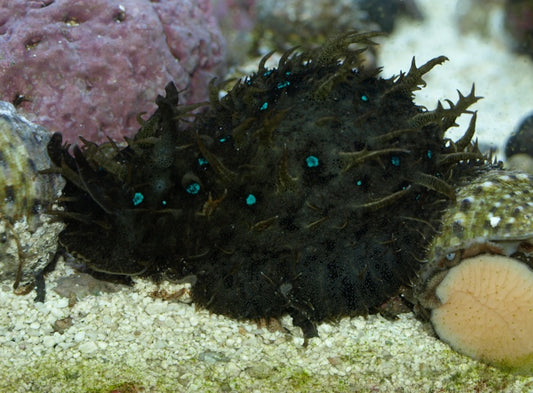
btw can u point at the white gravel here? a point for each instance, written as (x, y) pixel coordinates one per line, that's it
(130, 341)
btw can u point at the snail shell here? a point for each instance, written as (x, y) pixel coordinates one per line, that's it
(477, 287)
(23, 190)
(24, 193)
(492, 214)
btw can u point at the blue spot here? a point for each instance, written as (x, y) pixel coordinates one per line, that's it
(288, 73)
(137, 199)
(395, 161)
(193, 188)
(364, 98)
(267, 73)
(202, 161)
(311, 161)
(281, 85)
(223, 139)
(417, 197)
(359, 182)
(264, 106)
(164, 203)
(429, 153)
(251, 200)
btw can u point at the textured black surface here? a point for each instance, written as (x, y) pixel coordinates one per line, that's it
(311, 189)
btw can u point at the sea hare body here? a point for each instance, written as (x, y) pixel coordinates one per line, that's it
(311, 189)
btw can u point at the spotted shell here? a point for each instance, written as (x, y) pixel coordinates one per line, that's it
(491, 214)
(496, 207)
(25, 194)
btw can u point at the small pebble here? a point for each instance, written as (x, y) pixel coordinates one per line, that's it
(259, 371)
(79, 336)
(212, 357)
(49, 341)
(82, 284)
(88, 347)
(63, 324)
(155, 308)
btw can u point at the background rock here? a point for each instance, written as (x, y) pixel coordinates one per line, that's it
(88, 68)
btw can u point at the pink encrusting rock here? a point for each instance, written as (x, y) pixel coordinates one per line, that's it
(89, 67)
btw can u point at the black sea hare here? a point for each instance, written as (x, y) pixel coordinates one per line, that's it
(312, 189)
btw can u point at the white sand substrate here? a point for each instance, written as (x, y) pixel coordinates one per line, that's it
(129, 341)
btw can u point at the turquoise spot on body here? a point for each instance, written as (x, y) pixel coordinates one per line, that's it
(264, 106)
(251, 200)
(395, 161)
(137, 199)
(193, 188)
(311, 161)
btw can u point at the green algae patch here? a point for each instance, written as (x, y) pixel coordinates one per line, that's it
(431, 370)
(364, 367)
(522, 365)
(50, 374)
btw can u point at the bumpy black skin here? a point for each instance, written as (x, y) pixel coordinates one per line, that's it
(311, 189)
(107, 227)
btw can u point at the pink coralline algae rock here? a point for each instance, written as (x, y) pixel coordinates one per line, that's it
(89, 67)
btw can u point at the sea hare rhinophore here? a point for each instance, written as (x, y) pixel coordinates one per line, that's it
(313, 188)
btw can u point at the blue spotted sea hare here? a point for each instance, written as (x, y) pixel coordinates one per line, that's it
(313, 188)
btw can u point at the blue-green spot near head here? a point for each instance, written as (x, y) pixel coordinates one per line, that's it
(193, 188)
(202, 161)
(395, 160)
(251, 199)
(264, 106)
(281, 85)
(359, 183)
(137, 198)
(429, 153)
(311, 161)
(364, 98)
